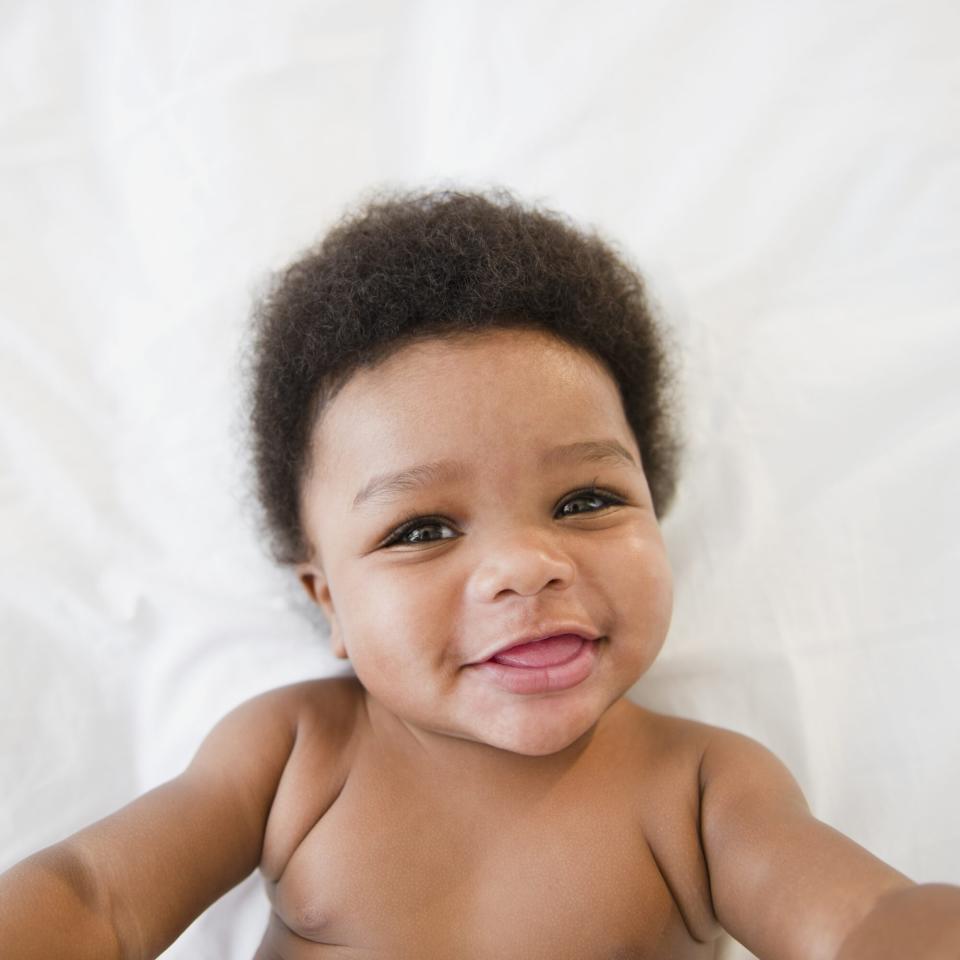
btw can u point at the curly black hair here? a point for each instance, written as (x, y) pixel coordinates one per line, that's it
(407, 266)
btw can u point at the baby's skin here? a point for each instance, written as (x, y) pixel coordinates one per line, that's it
(444, 805)
(593, 853)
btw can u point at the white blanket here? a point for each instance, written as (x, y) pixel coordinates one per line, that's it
(788, 175)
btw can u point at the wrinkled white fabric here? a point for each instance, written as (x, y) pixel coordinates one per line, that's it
(788, 175)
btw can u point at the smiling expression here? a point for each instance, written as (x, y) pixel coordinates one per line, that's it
(465, 493)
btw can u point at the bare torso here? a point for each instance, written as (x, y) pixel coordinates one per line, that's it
(371, 854)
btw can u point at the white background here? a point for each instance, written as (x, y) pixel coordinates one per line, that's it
(786, 174)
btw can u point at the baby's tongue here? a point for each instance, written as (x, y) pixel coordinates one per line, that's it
(541, 653)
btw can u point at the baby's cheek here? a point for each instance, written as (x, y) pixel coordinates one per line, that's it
(398, 625)
(645, 597)
(660, 589)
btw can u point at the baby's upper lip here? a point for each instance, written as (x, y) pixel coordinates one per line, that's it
(542, 632)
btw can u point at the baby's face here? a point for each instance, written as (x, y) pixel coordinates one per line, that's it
(507, 545)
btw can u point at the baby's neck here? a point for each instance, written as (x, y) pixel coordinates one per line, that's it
(471, 766)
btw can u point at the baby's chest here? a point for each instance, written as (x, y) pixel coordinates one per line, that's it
(382, 875)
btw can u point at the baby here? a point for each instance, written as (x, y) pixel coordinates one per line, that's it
(464, 443)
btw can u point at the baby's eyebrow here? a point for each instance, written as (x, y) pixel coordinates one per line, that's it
(388, 486)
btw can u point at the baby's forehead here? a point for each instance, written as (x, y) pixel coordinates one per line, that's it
(504, 398)
(525, 367)
(459, 446)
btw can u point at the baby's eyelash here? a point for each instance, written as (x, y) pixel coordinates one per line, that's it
(411, 523)
(611, 498)
(415, 520)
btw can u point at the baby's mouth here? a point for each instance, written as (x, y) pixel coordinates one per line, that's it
(539, 667)
(549, 652)
(547, 644)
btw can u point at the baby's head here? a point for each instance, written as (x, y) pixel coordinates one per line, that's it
(508, 365)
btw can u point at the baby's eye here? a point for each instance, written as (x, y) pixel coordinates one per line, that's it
(412, 532)
(598, 497)
(417, 529)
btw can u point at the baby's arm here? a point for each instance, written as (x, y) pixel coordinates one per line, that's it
(789, 887)
(128, 885)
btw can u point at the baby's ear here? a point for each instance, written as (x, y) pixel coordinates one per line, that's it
(314, 582)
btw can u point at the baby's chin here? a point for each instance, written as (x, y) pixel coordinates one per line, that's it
(544, 733)
(541, 746)
(540, 727)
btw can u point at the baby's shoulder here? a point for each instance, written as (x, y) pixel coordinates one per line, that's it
(660, 765)
(324, 713)
(317, 714)
(665, 740)
(326, 707)
(714, 758)
(670, 731)
(677, 752)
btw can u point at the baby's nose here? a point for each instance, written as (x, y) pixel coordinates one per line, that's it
(521, 564)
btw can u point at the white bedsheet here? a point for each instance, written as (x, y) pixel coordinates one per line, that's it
(787, 174)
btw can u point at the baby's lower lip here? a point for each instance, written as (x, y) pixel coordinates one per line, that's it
(541, 679)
